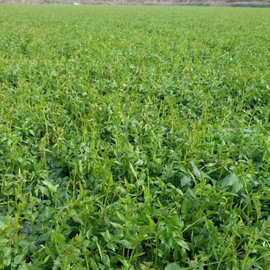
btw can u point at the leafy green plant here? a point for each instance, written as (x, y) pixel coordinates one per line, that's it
(134, 138)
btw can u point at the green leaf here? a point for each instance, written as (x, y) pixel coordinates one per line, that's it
(18, 259)
(172, 266)
(52, 188)
(2, 225)
(198, 173)
(233, 181)
(126, 243)
(183, 244)
(185, 180)
(106, 260)
(106, 235)
(3, 242)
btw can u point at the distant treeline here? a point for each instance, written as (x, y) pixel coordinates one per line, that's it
(251, 3)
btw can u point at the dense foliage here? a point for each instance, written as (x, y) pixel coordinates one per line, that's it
(134, 138)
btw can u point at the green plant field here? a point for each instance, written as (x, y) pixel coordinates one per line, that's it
(134, 138)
